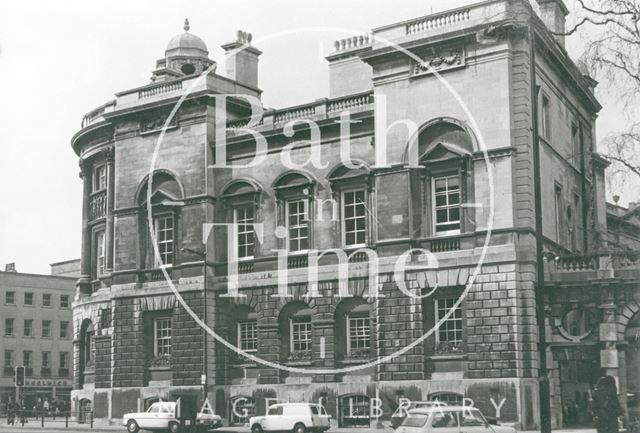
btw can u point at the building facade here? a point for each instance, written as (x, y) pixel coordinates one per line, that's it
(457, 322)
(37, 334)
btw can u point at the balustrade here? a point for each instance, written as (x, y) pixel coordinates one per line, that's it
(160, 89)
(98, 205)
(437, 21)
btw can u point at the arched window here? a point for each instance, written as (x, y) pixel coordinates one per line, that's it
(296, 331)
(241, 198)
(165, 200)
(350, 184)
(445, 148)
(294, 192)
(353, 329)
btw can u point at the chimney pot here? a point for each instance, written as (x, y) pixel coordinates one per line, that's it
(552, 14)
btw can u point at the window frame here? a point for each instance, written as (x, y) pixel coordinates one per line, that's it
(98, 179)
(168, 338)
(48, 297)
(9, 327)
(451, 318)
(348, 319)
(63, 360)
(45, 354)
(296, 321)
(8, 352)
(13, 297)
(24, 328)
(65, 303)
(251, 231)
(49, 324)
(24, 300)
(28, 364)
(157, 218)
(240, 341)
(305, 224)
(435, 208)
(545, 116)
(64, 324)
(343, 220)
(557, 201)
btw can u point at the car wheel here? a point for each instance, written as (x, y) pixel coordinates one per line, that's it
(132, 426)
(256, 428)
(299, 428)
(174, 427)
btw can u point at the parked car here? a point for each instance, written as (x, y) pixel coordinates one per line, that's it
(401, 413)
(161, 416)
(449, 419)
(294, 417)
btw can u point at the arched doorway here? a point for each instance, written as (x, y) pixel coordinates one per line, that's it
(354, 411)
(241, 408)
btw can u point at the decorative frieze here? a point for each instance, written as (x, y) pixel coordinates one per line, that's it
(439, 60)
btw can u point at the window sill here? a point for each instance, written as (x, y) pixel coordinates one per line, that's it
(159, 368)
(300, 363)
(447, 356)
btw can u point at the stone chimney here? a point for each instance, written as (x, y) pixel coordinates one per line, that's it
(553, 13)
(241, 60)
(10, 267)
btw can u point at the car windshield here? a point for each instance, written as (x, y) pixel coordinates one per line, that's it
(154, 408)
(415, 420)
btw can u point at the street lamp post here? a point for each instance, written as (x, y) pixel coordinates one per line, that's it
(203, 256)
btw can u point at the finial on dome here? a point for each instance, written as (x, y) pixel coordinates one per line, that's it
(186, 25)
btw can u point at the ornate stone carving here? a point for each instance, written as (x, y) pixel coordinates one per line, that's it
(155, 120)
(439, 60)
(109, 154)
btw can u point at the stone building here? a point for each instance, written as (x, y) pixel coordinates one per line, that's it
(37, 334)
(459, 185)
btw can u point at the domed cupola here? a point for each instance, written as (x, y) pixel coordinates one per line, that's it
(186, 54)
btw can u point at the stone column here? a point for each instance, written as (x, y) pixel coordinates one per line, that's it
(84, 283)
(109, 230)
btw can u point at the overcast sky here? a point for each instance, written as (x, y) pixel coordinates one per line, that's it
(60, 59)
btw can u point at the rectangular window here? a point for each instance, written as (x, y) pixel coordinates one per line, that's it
(8, 327)
(46, 300)
(64, 301)
(28, 299)
(546, 118)
(301, 334)
(28, 328)
(64, 329)
(298, 225)
(46, 359)
(575, 145)
(64, 360)
(244, 219)
(162, 332)
(8, 358)
(449, 335)
(354, 218)
(248, 336)
(446, 209)
(358, 334)
(26, 358)
(10, 298)
(46, 328)
(165, 237)
(558, 212)
(99, 253)
(100, 178)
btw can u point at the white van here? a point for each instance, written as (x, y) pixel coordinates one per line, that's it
(294, 417)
